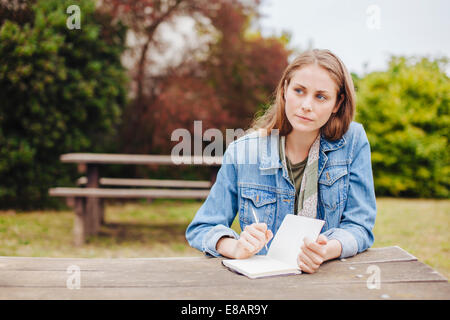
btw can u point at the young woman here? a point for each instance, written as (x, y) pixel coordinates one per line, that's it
(303, 156)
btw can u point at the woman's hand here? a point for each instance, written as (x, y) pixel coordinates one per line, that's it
(313, 254)
(250, 242)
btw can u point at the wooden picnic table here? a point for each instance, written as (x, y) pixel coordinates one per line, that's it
(88, 201)
(402, 276)
(89, 162)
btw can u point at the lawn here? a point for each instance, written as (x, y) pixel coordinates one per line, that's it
(156, 229)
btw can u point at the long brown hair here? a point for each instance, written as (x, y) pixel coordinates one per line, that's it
(338, 123)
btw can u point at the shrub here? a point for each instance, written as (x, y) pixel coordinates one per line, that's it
(405, 112)
(61, 91)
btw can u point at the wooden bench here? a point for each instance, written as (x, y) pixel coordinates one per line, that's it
(88, 201)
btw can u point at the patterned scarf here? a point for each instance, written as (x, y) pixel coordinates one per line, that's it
(307, 197)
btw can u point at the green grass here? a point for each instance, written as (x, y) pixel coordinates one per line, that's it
(132, 230)
(419, 226)
(157, 229)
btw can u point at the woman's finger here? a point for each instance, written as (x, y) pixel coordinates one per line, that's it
(246, 245)
(303, 266)
(251, 239)
(269, 235)
(258, 234)
(314, 246)
(307, 260)
(322, 239)
(260, 226)
(312, 255)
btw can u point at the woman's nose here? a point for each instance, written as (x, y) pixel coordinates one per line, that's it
(306, 104)
(306, 108)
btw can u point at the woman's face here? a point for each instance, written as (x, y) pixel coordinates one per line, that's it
(310, 98)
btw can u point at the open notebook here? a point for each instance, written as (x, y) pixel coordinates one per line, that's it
(281, 259)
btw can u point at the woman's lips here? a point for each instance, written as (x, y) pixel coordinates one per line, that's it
(303, 118)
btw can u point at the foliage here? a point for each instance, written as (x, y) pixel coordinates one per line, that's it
(238, 75)
(61, 91)
(405, 112)
(19, 11)
(143, 128)
(222, 82)
(244, 67)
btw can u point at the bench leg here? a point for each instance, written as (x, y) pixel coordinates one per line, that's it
(101, 211)
(93, 214)
(88, 217)
(80, 223)
(213, 175)
(93, 207)
(70, 202)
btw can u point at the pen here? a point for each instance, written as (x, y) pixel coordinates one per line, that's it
(257, 221)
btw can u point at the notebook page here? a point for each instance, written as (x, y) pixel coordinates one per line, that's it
(289, 237)
(257, 264)
(260, 266)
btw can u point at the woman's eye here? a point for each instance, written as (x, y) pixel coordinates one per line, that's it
(321, 97)
(299, 90)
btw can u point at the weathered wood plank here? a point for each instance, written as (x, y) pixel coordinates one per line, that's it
(353, 266)
(206, 278)
(380, 255)
(157, 274)
(149, 183)
(434, 290)
(128, 193)
(372, 255)
(93, 264)
(108, 158)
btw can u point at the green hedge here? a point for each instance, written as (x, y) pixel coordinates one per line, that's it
(61, 91)
(405, 112)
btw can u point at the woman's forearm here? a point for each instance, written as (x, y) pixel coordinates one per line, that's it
(226, 247)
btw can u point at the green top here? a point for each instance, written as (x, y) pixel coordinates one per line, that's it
(295, 171)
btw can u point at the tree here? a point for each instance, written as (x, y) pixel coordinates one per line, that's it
(62, 91)
(405, 111)
(145, 18)
(221, 81)
(243, 66)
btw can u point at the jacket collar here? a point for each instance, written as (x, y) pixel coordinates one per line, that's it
(270, 158)
(328, 145)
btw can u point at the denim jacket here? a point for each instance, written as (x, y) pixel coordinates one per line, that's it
(252, 175)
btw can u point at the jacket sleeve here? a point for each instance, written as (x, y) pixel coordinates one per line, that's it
(214, 218)
(358, 218)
